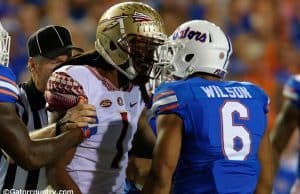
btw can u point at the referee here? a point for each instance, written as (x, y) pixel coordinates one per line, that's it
(48, 47)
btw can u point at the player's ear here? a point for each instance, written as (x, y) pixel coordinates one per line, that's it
(31, 64)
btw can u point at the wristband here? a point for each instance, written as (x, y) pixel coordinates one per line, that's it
(58, 127)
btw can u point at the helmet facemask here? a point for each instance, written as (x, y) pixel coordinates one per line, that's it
(165, 60)
(141, 55)
(4, 46)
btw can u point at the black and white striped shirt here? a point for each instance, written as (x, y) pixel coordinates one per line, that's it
(31, 109)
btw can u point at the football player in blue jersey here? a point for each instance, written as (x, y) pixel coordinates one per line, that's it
(14, 138)
(212, 135)
(286, 123)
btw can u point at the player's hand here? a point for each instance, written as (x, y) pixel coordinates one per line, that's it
(296, 187)
(78, 117)
(138, 169)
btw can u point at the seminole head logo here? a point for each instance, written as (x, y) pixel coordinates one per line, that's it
(136, 17)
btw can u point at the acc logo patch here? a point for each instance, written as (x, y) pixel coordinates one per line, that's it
(105, 103)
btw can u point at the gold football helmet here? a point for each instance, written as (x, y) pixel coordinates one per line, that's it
(127, 35)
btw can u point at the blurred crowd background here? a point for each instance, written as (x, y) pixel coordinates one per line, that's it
(265, 35)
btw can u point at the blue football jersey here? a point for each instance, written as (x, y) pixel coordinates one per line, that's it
(224, 123)
(8, 88)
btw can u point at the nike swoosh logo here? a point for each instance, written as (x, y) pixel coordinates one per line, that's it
(132, 104)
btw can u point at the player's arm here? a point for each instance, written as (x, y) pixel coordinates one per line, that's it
(15, 141)
(166, 154)
(265, 180)
(144, 139)
(80, 113)
(139, 163)
(45, 132)
(141, 153)
(138, 169)
(285, 124)
(58, 177)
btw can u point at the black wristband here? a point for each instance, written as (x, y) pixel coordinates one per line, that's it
(58, 127)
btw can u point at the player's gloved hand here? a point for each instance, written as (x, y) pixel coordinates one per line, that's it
(80, 116)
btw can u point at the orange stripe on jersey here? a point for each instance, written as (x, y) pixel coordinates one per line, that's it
(8, 80)
(163, 94)
(8, 93)
(169, 107)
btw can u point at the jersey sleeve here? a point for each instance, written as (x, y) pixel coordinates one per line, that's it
(8, 88)
(64, 88)
(265, 100)
(165, 101)
(261, 95)
(291, 90)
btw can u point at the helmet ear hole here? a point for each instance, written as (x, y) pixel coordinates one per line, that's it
(188, 57)
(112, 46)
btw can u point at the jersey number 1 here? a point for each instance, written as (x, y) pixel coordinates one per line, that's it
(236, 141)
(119, 155)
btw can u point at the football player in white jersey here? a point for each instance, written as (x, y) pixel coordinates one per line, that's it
(113, 79)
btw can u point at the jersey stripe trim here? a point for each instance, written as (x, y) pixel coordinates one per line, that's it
(163, 94)
(164, 102)
(168, 107)
(8, 80)
(5, 92)
(9, 86)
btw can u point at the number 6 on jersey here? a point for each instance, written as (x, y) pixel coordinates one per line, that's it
(236, 141)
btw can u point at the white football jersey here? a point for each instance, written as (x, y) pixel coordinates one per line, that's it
(100, 161)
